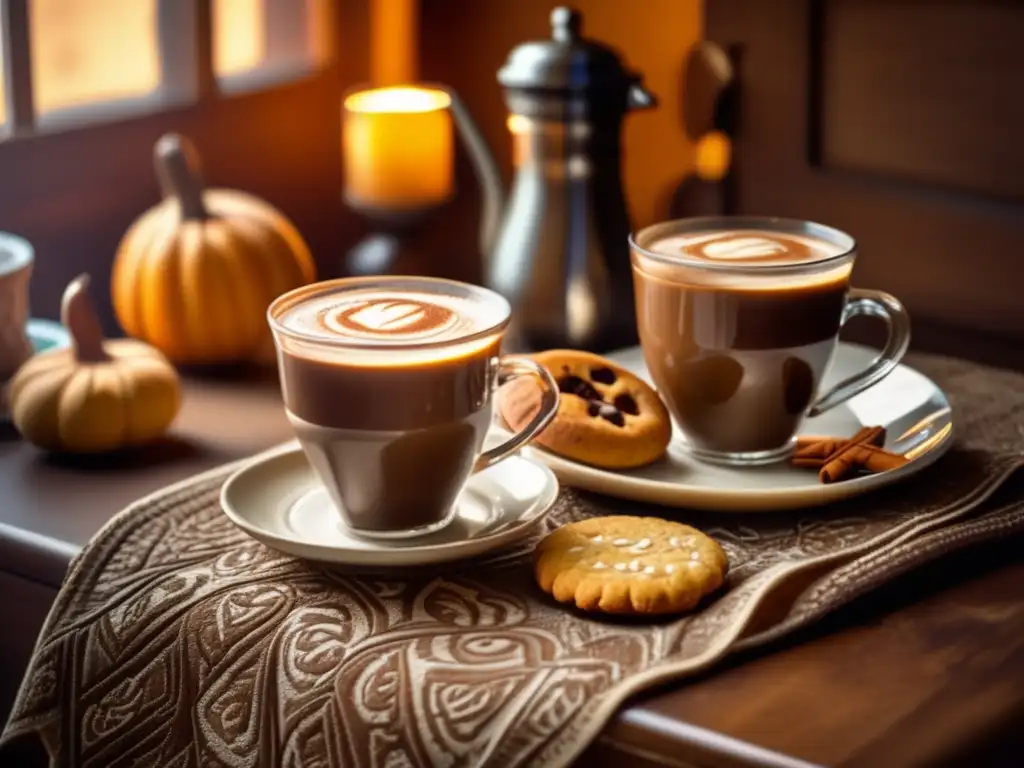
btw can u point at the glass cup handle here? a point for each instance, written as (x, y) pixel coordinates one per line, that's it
(513, 368)
(889, 309)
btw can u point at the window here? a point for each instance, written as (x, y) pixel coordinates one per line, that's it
(239, 36)
(71, 62)
(88, 86)
(79, 54)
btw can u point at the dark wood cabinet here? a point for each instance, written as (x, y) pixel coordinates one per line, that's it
(902, 123)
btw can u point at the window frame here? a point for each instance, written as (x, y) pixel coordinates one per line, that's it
(72, 189)
(185, 31)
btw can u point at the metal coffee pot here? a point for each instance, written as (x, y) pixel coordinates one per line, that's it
(560, 253)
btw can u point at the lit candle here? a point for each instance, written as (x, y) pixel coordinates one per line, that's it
(398, 148)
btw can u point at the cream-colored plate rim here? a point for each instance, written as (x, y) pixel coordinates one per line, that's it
(625, 485)
(678, 494)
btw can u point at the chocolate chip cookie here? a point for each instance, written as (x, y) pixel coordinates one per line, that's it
(607, 417)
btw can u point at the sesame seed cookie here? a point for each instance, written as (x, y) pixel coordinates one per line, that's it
(629, 565)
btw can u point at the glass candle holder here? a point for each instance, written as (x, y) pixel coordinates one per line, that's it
(398, 148)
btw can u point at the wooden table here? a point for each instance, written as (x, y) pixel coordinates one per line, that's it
(927, 671)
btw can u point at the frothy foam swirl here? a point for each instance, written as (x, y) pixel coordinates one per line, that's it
(742, 248)
(376, 317)
(747, 247)
(391, 318)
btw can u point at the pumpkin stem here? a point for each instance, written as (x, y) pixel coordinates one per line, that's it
(79, 316)
(178, 171)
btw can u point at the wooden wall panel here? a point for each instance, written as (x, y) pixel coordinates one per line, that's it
(941, 232)
(924, 92)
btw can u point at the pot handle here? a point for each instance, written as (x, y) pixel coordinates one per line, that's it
(486, 168)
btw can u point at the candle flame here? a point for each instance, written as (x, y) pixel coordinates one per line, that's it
(400, 98)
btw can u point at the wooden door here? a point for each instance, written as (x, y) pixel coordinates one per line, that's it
(902, 122)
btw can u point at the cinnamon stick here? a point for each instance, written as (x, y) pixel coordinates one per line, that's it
(817, 447)
(841, 462)
(870, 457)
(821, 447)
(878, 460)
(807, 462)
(835, 458)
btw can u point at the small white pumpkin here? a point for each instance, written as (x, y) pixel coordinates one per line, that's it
(98, 395)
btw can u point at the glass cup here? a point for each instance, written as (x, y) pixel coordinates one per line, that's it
(389, 384)
(738, 350)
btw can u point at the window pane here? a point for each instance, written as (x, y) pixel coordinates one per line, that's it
(240, 32)
(239, 36)
(92, 51)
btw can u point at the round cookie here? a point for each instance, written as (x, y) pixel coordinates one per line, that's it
(623, 564)
(607, 417)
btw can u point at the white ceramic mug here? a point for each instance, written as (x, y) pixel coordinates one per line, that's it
(16, 258)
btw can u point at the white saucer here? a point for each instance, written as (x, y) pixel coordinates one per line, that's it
(278, 500)
(915, 412)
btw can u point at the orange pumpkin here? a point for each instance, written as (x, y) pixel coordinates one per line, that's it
(194, 275)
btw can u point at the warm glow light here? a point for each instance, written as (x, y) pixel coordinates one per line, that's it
(239, 35)
(88, 51)
(402, 99)
(94, 51)
(398, 147)
(519, 127)
(517, 124)
(713, 156)
(926, 445)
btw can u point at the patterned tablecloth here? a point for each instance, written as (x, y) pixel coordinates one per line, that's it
(177, 640)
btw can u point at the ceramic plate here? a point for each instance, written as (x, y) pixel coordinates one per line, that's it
(915, 412)
(278, 500)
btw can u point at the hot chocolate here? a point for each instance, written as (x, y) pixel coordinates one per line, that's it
(402, 366)
(388, 385)
(737, 328)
